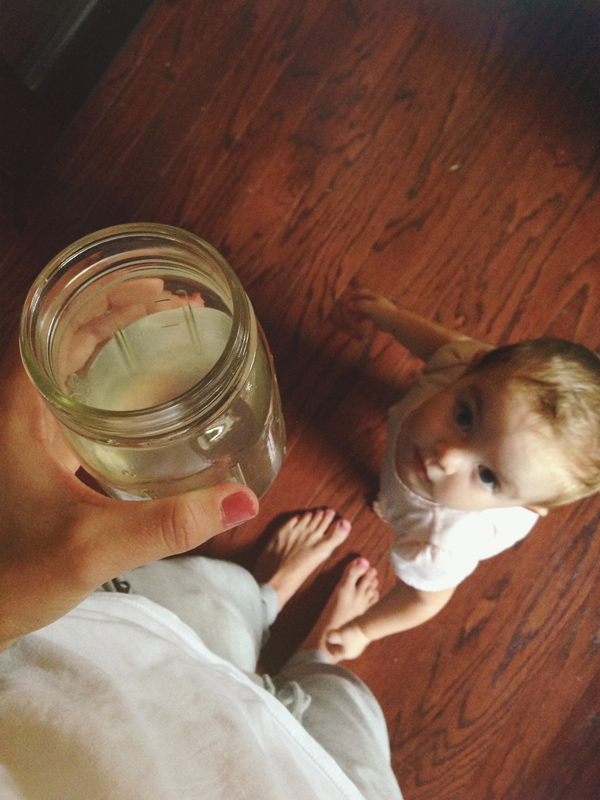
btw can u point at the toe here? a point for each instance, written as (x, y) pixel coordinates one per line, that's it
(357, 568)
(370, 597)
(322, 520)
(339, 531)
(290, 524)
(311, 521)
(368, 581)
(306, 520)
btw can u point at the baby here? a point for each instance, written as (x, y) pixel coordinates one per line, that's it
(485, 442)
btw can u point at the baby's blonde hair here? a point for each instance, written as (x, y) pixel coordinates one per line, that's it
(563, 381)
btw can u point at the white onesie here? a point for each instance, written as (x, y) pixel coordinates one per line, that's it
(435, 547)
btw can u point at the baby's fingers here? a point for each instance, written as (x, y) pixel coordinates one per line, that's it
(341, 319)
(349, 319)
(361, 293)
(336, 649)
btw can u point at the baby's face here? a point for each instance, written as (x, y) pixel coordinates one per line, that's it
(478, 444)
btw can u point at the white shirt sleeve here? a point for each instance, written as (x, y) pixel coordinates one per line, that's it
(455, 354)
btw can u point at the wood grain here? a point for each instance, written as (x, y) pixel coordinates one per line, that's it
(446, 154)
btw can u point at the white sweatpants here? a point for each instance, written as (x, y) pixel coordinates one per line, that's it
(232, 614)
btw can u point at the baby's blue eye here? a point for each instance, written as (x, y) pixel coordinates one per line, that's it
(464, 416)
(487, 477)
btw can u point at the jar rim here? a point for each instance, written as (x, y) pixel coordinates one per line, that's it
(198, 403)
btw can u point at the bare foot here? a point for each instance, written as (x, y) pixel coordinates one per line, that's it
(355, 593)
(297, 549)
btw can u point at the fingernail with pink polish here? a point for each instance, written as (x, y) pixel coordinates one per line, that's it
(237, 508)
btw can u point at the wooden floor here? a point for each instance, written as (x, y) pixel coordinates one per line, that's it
(444, 153)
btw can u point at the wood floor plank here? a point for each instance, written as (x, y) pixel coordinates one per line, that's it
(448, 155)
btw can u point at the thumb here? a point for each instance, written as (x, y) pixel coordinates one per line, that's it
(131, 533)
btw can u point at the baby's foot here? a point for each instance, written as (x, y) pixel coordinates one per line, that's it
(301, 545)
(356, 592)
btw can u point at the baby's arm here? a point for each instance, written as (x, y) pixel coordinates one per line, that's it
(402, 608)
(419, 335)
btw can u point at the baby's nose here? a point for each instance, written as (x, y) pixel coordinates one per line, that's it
(450, 457)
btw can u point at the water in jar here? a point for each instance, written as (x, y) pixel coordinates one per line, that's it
(155, 360)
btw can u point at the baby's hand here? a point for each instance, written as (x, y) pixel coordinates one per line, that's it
(357, 306)
(372, 306)
(346, 643)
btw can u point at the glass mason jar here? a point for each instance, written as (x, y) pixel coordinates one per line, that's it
(144, 345)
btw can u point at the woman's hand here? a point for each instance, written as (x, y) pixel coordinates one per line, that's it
(101, 314)
(59, 539)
